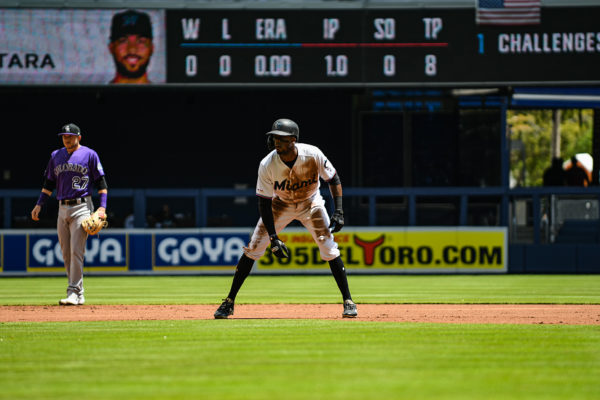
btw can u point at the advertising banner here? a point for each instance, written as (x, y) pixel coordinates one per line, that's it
(81, 46)
(105, 252)
(215, 250)
(204, 251)
(422, 250)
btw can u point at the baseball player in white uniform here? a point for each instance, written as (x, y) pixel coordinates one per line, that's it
(288, 189)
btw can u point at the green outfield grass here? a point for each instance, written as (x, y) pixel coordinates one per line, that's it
(284, 359)
(297, 359)
(563, 289)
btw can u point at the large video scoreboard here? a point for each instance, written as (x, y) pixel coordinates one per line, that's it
(326, 47)
(380, 47)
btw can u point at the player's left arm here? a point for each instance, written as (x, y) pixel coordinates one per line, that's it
(337, 219)
(103, 194)
(99, 177)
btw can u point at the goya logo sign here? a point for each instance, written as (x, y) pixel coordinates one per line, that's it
(198, 250)
(100, 251)
(409, 249)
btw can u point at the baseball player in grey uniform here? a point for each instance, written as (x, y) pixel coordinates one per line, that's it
(288, 189)
(71, 171)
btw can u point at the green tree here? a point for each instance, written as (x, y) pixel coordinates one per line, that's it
(530, 133)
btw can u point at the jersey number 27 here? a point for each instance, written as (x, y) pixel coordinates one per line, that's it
(80, 182)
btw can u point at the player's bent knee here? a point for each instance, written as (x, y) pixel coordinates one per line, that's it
(253, 255)
(329, 255)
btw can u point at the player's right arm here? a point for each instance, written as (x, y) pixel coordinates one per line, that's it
(47, 188)
(44, 196)
(265, 208)
(264, 191)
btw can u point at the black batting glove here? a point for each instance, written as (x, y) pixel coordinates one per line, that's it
(278, 247)
(337, 221)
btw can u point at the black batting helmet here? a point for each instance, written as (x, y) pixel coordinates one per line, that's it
(282, 127)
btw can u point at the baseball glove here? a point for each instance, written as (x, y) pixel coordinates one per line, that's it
(94, 223)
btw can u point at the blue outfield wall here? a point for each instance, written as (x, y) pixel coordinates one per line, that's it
(554, 258)
(390, 250)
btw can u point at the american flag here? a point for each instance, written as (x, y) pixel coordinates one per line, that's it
(508, 12)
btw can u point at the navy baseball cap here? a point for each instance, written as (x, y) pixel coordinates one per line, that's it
(70, 129)
(130, 22)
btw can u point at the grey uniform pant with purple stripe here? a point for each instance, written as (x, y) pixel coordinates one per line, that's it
(72, 240)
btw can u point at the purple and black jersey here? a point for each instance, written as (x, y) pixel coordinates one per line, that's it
(74, 173)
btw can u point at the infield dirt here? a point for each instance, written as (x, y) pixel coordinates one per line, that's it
(437, 313)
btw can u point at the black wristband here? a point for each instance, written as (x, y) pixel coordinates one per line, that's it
(338, 204)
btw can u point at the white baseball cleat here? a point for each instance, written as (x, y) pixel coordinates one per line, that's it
(80, 300)
(71, 300)
(350, 310)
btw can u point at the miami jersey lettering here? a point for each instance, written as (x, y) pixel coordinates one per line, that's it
(301, 182)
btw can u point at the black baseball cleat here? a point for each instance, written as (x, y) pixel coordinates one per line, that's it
(225, 309)
(350, 310)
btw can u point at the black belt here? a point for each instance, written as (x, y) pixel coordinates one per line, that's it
(72, 202)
